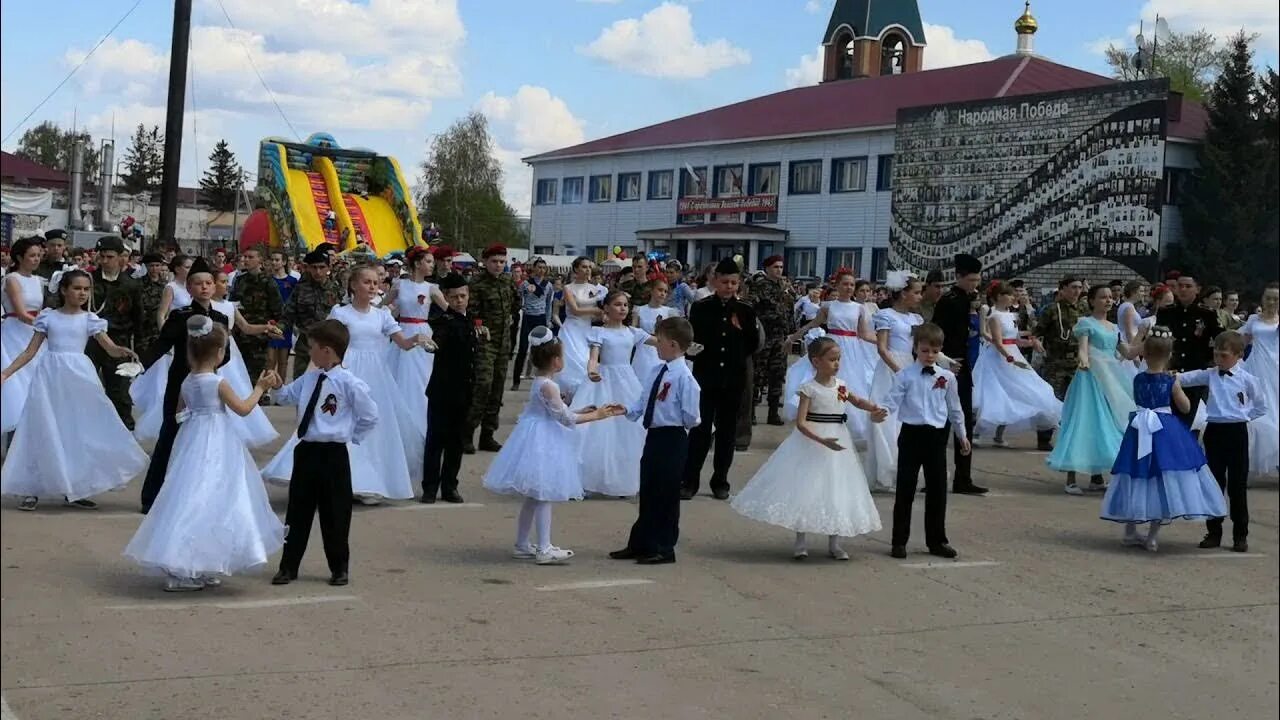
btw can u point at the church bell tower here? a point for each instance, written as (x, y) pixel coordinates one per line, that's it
(866, 38)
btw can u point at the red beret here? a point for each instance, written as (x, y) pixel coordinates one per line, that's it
(493, 250)
(442, 252)
(771, 260)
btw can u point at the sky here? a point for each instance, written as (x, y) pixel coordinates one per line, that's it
(389, 74)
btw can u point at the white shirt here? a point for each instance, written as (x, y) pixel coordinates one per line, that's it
(1233, 397)
(345, 412)
(921, 398)
(678, 401)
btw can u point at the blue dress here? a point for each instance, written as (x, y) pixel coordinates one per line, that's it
(1160, 473)
(285, 285)
(1099, 401)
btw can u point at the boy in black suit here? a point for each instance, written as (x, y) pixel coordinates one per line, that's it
(449, 392)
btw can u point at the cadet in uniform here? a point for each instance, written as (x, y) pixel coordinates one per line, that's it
(493, 295)
(952, 315)
(116, 300)
(1194, 328)
(772, 300)
(312, 299)
(637, 285)
(260, 304)
(150, 293)
(1054, 329)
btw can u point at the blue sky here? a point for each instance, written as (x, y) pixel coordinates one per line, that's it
(386, 74)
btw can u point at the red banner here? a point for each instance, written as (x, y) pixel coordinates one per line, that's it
(743, 203)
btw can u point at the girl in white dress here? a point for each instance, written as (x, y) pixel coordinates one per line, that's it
(581, 301)
(212, 517)
(813, 482)
(380, 463)
(70, 441)
(646, 318)
(411, 301)
(1006, 391)
(539, 460)
(609, 451)
(865, 293)
(175, 293)
(23, 298)
(1260, 331)
(893, 341)
(255, 428)
(849, 326)
(147, 390)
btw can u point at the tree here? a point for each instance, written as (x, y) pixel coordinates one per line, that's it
(462, 180)
(1191, 61)
(50, 145)
(223, 179)
(144, 161)
(1232, 213)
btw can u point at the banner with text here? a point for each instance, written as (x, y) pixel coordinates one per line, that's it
(742, 203)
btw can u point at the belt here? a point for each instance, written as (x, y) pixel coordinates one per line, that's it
(1008, 341)
(824, 417)
(412, 321)
(842, 333)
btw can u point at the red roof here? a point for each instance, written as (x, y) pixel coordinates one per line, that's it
(862, 103)
(21, 171)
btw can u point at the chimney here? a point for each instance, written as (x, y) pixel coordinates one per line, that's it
(74, 219)
(104, 184)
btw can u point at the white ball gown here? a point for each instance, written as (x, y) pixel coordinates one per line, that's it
(807, 487)
(411, 369)
(1262, 363)
(147, 390)
(843, 320)
(609, 450)
(379, 464)
(882, 447)
(646, 356)
(15, 336)
(575, 336)
(212, 516)
(70, 441)
(539, 460)
(1005, 394)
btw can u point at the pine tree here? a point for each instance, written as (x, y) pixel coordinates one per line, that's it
(1230, 218)
(223, 178)
(144, 161)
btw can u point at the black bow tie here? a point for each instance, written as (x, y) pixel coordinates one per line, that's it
(1225, 373)
(927, 370)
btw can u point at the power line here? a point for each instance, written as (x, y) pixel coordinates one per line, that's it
(254, 65)
(78, 65)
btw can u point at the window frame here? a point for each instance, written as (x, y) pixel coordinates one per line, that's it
(554, 184)
(879, 269)
(791, 177)
(605, 197)
(832, 265)
(701, 218)
(671, 185)
(884, 180)
(763, 218)
(790, 254)
(564, 190)
(622, 178)
(835, 164)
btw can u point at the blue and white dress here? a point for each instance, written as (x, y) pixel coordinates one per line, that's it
(1160, 473)
(539, 460)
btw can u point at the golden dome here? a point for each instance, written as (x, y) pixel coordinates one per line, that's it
(1026, 25)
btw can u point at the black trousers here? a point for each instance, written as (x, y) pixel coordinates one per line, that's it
(1226, 447)
(964, 463)
(446, 431)
(527, 324)
(922, 446)
(657, 529)
(321, 481)
(719, 408)
(160, 456)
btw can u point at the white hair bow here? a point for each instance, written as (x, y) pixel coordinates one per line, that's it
(204, 328)
(897, 280)
(540, 335)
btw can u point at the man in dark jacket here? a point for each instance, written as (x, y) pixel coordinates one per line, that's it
(1194, 327)
(952, 315)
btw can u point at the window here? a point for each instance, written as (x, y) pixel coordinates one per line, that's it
(884, 173)
(806, 177)
(1177, 181)
(893, 55)
(544, 250)
(764, 180)
(628, 186)
(802, 262)
(547, 192)
(850, 258)
(601, 188)
(693, 185)
(571, 190)
(728, 183)
(660, 184)
(848, 175)
(597, 253)
(879, 264)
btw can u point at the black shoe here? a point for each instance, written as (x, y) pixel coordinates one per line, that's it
(427, 499)
(488, 444)
(624, 554)
(1044, 447)
(686, 494)
(452, 497)
(144, 509)
(943, 551)
(655, 559)
(468, 447)
(1211, 541)
(898, 551)
(969, 489)
(515, 387)
(1239, 546)
(720, 493)
(775, 418)
(741, 447)
(284, 577)
(339, 579)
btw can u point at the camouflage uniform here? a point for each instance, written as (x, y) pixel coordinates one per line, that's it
(259, 299)
(116, 301)
(773, 302)
(149, 294)
(637, 289)
(491, 301)
(1060, 345)
(309, 303)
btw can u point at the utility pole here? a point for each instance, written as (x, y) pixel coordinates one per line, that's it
(173, 122)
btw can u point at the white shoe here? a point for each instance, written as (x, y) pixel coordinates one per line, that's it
(523, 553)
(1133, 541)
(800, 554)
(177, 584)
(1001, 443)
(1073, 489)
(1151, 544)
(369, 500)
(839, 553)
(210, 581)
(552, 556)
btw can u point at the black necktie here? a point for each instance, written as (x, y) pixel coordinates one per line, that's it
(310, 411)
(653, 398)
(928, 370)
(1225, 373)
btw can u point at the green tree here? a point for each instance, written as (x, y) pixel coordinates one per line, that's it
(223, 178)
(1232, 213)
(50, 145)
(1191, 61)
(461, 182)
(143, 161)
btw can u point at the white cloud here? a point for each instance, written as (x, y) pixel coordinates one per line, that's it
(813, 7)
(808, 72)
(527, 123)
(661, 43)
(945, 49)
(1100, 45)
(1223, 19)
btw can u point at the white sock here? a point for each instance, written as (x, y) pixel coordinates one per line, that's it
(833, 543)
(542, 516)
(802, 544)
(524, 522)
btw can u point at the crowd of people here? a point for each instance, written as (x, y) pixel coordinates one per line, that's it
(1162, 395)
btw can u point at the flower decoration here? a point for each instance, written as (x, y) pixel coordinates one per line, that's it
(842, 393)
(422, 299)
(940, 383)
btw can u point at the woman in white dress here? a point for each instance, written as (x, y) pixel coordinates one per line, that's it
(23, 298)
(1006, 391)
(893, 326)
(70, 441)
(1260, 331)
(849, 326)
(581, 301)
(411, 301)
(212, 517)
(147, 390)
(255, 428)
(864, 292)
(646, 318)
(380, 464)
(1133, 327)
